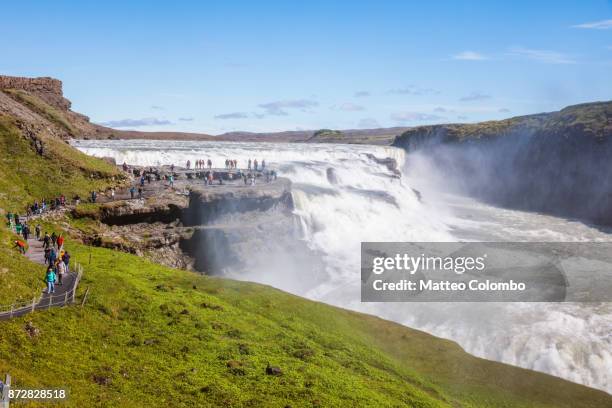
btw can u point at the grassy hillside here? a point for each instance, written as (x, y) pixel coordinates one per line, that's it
(152, 336)
(26, 176)
(589, 119)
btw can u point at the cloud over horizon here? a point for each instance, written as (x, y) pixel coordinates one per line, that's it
(232, 115)
(123, 123)
(278, 108)
(414, 117)
(348, 107)
(475, 96)
(413, 90)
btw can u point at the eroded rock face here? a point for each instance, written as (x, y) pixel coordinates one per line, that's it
(206, 231)
(48, 89)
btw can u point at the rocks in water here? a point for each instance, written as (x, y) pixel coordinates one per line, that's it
(272, 370)
(332, 177)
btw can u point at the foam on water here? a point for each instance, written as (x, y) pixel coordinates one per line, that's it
(364, 203)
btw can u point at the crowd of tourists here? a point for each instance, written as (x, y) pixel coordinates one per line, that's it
(56, 258)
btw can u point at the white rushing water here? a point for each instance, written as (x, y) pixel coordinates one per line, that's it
(363, 203)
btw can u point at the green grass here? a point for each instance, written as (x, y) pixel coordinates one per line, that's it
(21, 279)
(25, 176)
(164, 337)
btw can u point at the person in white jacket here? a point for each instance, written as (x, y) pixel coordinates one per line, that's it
(61, 271)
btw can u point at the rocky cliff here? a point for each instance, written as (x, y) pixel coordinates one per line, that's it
(48, 89)
(558, 162)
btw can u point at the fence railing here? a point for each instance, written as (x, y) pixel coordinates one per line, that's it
(42, 302)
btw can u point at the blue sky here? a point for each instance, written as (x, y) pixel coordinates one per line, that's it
(282, 65)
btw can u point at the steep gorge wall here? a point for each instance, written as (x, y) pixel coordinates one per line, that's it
(557, 163)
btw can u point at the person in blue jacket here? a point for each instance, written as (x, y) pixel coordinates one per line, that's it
(50, 279)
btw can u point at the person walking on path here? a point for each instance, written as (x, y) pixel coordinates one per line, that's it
(172, 180)
(94, 196)
(46, 241)
(249, 165)
(61, 270)
(132, 192)
(209, 164)
(60, 242)
(139, 192)
(52, 257)
(25, 232)
(37, 230)
(53, 239)
(255, 164)
(66, 259)
(50, 279)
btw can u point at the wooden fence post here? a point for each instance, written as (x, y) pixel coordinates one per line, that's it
(5, 392)
(11, 312)
(33, 304)
(85, 297)
(50, 297)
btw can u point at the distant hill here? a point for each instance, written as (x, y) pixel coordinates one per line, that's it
(380, 136)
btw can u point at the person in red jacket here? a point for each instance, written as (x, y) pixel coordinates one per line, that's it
(21, 246)
(60, 242)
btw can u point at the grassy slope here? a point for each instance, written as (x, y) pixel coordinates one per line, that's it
(189, 340)
(26, 176)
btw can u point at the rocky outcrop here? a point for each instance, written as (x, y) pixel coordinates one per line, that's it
(48, 89)
(558, 163)
(201, 231)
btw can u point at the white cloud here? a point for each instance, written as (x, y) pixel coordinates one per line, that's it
(123, 123)
(596, 25)
(413, 90)
(475, 96)
(470, 56)
(233, 115)
(349, 107)
(278, 107)
(414, 117)
(546, 56)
